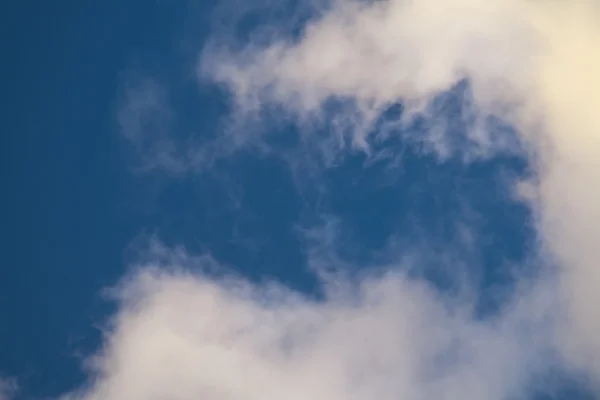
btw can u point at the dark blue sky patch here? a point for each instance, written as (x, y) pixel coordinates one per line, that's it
(243, 214)
(431, 201)
(260, 23)
(69, 207)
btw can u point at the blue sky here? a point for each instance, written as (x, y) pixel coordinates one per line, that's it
(71, 206)
(247, 166)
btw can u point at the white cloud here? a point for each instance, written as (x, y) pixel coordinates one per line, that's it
(380, 53)
(182, 335)
(536, 64)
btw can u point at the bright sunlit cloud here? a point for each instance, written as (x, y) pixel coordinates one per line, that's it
(184, 334)
(533, 63)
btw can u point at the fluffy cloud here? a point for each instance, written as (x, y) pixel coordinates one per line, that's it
(534, 64)
(181, 335)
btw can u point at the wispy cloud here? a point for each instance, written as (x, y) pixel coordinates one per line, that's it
(8, 388)
(146, 121)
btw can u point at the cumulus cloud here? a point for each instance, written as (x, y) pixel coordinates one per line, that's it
(534, 64)
(372, 55)
(185, 335)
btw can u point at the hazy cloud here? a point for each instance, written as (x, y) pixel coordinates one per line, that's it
(146, 121)
(8, 388)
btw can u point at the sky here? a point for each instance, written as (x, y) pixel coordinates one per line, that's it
(328, 199)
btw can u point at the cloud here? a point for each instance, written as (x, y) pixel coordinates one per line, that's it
(8, 388)
(533, 64)
(186, 335)
(372, 55)
(146, 119)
